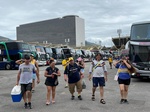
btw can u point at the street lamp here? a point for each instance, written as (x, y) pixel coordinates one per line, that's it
(119, 31)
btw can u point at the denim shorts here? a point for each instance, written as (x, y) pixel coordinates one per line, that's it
(98, 81)
(34, 76)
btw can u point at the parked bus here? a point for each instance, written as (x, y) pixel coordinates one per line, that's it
(41, 55)
(10, 52)
(49, 54)
(139, 48)
(62, 53)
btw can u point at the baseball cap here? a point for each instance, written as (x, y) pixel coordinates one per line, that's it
(27, 57)
(79, 59)
(71, 58)
(32, 55)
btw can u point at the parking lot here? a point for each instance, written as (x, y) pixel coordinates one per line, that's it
(139, 95)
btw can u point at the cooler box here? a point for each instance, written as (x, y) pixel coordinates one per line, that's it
(16, 93)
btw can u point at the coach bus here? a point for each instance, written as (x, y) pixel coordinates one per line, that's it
(41, 55)
(139, 48)
(10, 52)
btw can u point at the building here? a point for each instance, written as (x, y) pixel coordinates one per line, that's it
(120, 41)
(66, 30)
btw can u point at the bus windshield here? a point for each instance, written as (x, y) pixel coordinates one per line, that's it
(140, 32)
(140, 54)
(18, 46)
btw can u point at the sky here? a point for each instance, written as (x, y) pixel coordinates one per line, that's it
(102, 17)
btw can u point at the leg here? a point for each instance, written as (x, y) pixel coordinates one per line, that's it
(29, 93)
(121, 86)
(126, 91)
(95, 85)
(72, 90)
(101, 92)
(49, 89)
(23, 91)
(33, 84)
(79, 89)
(53, 94)
(33, 81)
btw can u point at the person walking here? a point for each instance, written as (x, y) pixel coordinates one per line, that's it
(65, 62)
(123, 78)
(110, 59)
(74, 75)
(99, 71)
(24, 78)
(81, 64)
(51, 74)
(34, 62)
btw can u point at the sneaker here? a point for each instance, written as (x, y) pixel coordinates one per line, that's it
(79, 97)
(102, 101)
(72, 98)
(93, 98)
(29, 104)
(66, 86)
(25, 105)
(121, 101)
(126, 101)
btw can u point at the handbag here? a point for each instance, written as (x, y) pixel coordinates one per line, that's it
(116, 76)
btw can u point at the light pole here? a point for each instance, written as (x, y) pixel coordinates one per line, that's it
(119, 31)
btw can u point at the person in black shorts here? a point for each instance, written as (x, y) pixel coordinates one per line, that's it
(123, 78)
(51, 74)
(24, 78)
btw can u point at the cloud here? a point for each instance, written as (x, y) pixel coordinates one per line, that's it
(102, 17)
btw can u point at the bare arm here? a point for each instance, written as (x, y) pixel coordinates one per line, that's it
(37, 66)
(58, 73)
(18, 77)
(127, 64)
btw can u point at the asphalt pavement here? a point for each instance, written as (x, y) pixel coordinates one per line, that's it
(139, 95)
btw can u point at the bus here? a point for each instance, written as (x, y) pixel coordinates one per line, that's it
(139, 49)
(49, 54)
(41, 55)
(62, 53)
(11, 52)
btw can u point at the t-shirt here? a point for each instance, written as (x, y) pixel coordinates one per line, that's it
(50, 71)
(26, 73)
(98, 70)
(110, 60)
(73, 73)
(123, 71)
(65, 63)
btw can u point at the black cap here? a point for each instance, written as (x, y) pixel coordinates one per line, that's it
(27, 57)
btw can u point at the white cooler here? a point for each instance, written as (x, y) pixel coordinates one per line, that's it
(16, 93)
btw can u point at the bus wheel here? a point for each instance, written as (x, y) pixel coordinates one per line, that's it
(8, 66)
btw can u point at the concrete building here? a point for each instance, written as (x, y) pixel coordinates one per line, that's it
(66, 30)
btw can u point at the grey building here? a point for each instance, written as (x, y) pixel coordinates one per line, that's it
(66, 30)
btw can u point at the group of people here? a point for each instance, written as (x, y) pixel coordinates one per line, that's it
(73, 75)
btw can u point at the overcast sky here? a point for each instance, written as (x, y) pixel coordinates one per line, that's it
(102, 17)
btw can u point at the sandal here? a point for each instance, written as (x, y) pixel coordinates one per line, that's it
(47, 103)
(102, 101)
(93, 98)
(53, 102)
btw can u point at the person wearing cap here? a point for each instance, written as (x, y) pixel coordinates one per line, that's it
(24, 78)
(99, 71)
(51, 74)
(34, 62)
(65, 62)
(81, 64)
(72, 73)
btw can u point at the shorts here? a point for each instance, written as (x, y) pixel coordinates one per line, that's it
(34, 76)
(124, 81)
(98, 81)
(51, 83)
(26, 87)
(78, 86)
